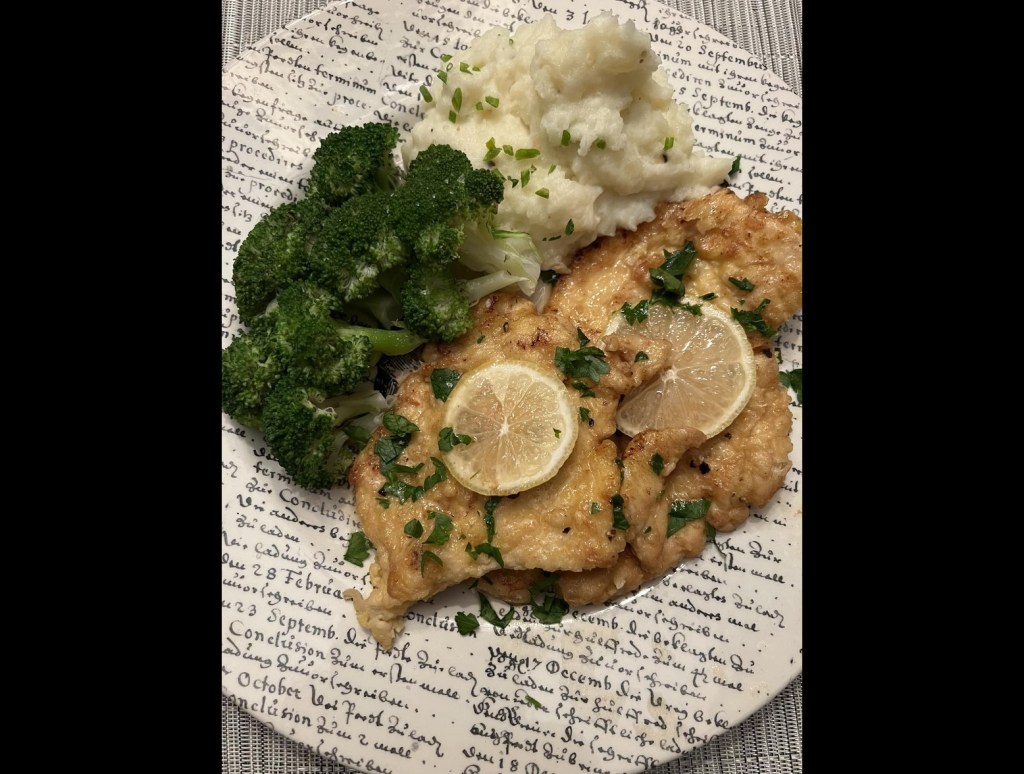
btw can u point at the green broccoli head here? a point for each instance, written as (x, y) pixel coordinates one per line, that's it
(354, 245)
(441, 193)
(434, 303)
(304, 430)
(273, 254)
(354, 160)
(250, 366)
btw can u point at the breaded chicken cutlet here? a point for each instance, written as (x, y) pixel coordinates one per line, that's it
(552, 527)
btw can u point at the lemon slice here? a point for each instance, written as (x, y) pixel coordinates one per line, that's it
(523, 425)
(710, 377)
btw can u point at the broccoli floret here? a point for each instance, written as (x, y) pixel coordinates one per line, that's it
(354, 246)
(434, 303)
(273, 254)
(250, 366)
(441, 194)
(505, 257)
(354, 160)
(304, 430)
(321, 350)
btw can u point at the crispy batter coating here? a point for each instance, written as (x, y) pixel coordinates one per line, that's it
(550, 527)
(734, 237)
(555, 527)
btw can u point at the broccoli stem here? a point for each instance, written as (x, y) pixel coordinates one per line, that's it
(387, 342)
(354, 404)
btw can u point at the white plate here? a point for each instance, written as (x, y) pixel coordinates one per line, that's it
(621, 687)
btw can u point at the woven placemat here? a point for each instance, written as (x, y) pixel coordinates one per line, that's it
(771, 740)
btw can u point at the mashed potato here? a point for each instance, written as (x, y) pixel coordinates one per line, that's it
(581, 122)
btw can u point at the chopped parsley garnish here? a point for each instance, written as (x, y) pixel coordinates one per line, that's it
(735, 166)
(640, 356)
(600, 143)
(526, 153)
(709, 297)
(447, 439)
(584, 414)
(552, 608)
(489, 506)
(492, 150)
(682, 512)
(398, 424)
(509, 150)
(445, 57)
(635, 314)
(795, 380)
(544, 193)
(443, 381)
(413, 528)
(442, 76)
(486, 548)
(753, 321)
(492, 101)
(668, 278)
(457, 99)
(569, 227)
(383, 502)
(426, 94)
(432, 557)
(585, 391)
(466, 623)
(583, 363)
(595, 507)
(524, 177)
(442, 528)
(488, 614)
(358, 549)
(742, 284)
(480, 338)
(657, 464)
(669, 142)
(440, 474)
(565, 137)
(558, 433)
(709, 535)
(453, 116)
(533, 702)
(693, 309)
(618, 514)
(550, 276)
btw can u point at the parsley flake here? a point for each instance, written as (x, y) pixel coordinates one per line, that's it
(584, 414)
(682, 512)
(466, 623)
(795, 380)
(641, 356)
(432, 557)
(533, 702)
(489, 506)
(618, 513)
(443, 381)
(492, 101)
(488, 614)
(447, 439)
(635, 314)
(358, 549)
(742, 284)
(413, 528)
(753, 321)
(425, 94)
(486, 548)
(442, 528)
(735, 166)
(565, 137)
(657, 463)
